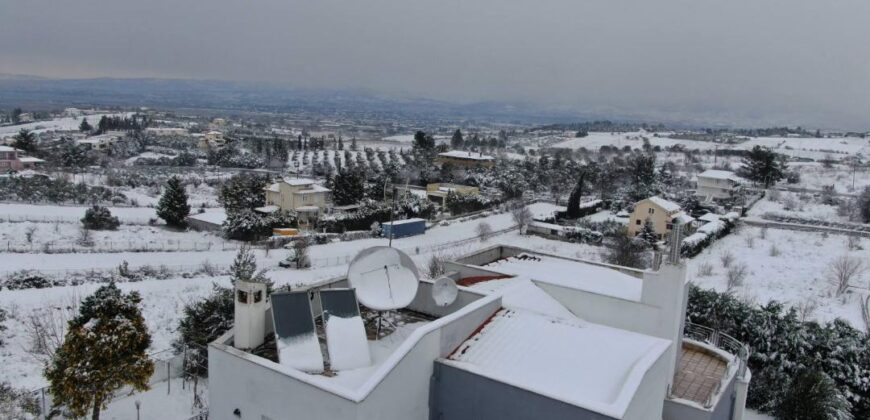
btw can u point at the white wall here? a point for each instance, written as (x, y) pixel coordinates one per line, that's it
(648, 401)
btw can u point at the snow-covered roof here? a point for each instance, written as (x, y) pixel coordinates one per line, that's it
(307, 208)
(267, 209)
(6, 149)
(298, 182)
(683, 218)
(564, 272)
(314, 189)
(719, 174)
(709, 217)
(667, 205)
(588, 365)
(402, 222)
(466, 155)
(217, 216)
(273, 188)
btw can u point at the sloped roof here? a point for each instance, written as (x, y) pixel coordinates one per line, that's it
(466, 155)
(719, 174)
(667, 205)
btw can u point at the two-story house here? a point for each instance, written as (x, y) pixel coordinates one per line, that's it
(662, 213)
(11, 159)
(717, 184)
(464, 159)
(299, 195)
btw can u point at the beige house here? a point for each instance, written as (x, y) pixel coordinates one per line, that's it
(663, 214)
(212, 140)
(302, 196)
(438, 192)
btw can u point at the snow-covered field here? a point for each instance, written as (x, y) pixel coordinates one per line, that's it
(57, 124)
(51, 213)
(164, 299)
(814, 148)
(798, 276)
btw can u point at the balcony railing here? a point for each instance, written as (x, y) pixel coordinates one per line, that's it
(722, 341)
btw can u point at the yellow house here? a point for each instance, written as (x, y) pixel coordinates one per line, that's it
(663, 214)
(302, 196)
(438, 192)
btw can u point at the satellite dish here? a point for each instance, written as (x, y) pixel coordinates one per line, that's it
(384, 278)
(444, 291)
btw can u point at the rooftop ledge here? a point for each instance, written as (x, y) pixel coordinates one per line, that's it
(379, 372)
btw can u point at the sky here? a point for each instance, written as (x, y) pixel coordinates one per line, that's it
(759, 61)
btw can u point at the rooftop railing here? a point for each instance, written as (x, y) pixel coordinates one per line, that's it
(724, 342)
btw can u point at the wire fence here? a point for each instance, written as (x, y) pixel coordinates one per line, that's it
(169, 364)
(59, 247)
(159, 271)
(69, 218)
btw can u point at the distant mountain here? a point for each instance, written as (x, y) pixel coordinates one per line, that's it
(41, 93)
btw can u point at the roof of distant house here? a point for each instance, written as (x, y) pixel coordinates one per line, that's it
(719, 174)
(30, 159)
(7, 149)
(298, 181)
(683, 218)
(217, 216)
(466, 155)
(667, 205)
(710, 217)
(314, 189)
(273, 187)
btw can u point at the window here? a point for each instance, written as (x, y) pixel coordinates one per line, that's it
(637, 222)
(258, 296)
(652, 210)
(243, 296)
(669, 226)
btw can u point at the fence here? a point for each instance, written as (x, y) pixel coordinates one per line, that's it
(58, 247)
(71, 218)
(155, 271)
(168, 364)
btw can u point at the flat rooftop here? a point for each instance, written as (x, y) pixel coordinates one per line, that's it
(559, 271)
(592, 366)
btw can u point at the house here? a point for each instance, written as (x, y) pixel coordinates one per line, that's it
(528, 335)
(212, 140)
(298, 195)
(662, 213)
(438, 192)
(208, 221)
(12, 159)
(717, 184)
(101, 142)
(464, 159)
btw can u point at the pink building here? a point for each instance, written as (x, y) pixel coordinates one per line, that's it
(12, 160)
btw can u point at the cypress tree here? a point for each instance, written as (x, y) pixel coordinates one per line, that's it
(173, 207)
(103, 351)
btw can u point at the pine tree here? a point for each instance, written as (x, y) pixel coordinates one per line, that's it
(340, 144)
(244, 268)
(456, 141)
(586, 173)
(173, 207)
(764, 166)
(648, 233)
(104, 349)
(25, 140)
(813, 395)
(353, 146)
(85, 127)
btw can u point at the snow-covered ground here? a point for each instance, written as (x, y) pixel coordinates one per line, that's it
(814, 148)
(53, 213)
(164, 299)
(798, 276)
(57, 124)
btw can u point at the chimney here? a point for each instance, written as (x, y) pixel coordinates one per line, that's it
(250, 304)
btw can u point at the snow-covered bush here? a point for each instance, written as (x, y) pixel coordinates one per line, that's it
(100, 218)
(40, 189)
(782, 346)
(705, 235)
(17, 403)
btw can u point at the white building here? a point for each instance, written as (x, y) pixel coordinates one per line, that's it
(529, 335)
(717, 184)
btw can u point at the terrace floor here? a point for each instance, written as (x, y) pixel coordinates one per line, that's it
(698, 375)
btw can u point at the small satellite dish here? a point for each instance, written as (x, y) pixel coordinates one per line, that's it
(384, 278)
(444, 291)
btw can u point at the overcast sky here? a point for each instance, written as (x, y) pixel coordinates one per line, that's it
(717, 60)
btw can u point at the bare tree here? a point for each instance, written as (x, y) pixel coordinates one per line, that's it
(85, 238)
(705, 269)
(28, 233)
(736, 275)
(865, 312)
(727, 258)
(774, 251)
(435, 268)
(522, 217)
(853, 241)
(843, 270)
(46, 328)
(807, 308)
(484, 231)
(301, 247)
